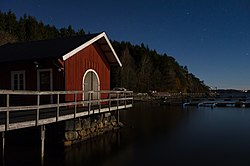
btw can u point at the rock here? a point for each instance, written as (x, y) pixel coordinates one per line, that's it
(78, 125)
(116, 128)
(67, 143)
(113, 119)
(114, 123)
(107, 114)
(100, 117)
(82, 133)
(121, 124)
(88, 131)
(86, 123)
(100, 125)
(71, 135)
(93, 125)
(92, 130)
(69, 125)
(105, 122)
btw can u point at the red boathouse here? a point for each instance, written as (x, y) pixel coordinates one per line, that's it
(72, 63)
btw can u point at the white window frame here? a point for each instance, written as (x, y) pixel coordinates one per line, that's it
(18, 72)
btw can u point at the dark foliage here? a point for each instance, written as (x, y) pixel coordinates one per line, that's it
(27, 28)
(145, 70)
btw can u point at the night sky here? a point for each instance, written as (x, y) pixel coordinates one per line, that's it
(210, 37)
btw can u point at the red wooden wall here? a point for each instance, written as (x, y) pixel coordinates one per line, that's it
(30, 78)
(89, 58)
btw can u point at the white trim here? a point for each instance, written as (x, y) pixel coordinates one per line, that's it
(51, 80)
(98, 80)
(112, 49)
(103, 34)
(18, 72)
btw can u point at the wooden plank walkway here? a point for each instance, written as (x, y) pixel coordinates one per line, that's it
(16, 117)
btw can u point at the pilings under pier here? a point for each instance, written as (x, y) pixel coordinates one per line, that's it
(42, 143)
(3, 147)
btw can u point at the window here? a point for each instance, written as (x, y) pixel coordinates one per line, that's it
(18, 80)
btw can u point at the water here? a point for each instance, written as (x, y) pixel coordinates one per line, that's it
(155, 135)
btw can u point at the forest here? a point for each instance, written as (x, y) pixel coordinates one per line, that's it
(143, 69)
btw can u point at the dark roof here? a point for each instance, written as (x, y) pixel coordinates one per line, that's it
(52, 48)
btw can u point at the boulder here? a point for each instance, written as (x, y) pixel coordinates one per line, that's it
(114, 123)
(107, 114)
(86, 123)
(67, 143)
(100, 125)
(69, 125)
(78, 125)
(82, 133)
(121, 124)
(71, 135)
(92, 129)
(113, 119)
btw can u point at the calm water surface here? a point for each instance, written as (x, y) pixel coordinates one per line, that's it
(155, 135)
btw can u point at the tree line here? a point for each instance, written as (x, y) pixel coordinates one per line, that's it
(143, 69)
(27, 28)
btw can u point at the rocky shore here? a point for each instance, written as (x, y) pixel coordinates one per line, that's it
(79, 130)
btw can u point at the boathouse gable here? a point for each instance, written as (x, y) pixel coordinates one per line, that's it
(76, 66)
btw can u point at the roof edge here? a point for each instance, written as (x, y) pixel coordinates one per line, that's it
(91, 41)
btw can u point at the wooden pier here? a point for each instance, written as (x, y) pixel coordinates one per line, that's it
(17, 115)
(219, 103)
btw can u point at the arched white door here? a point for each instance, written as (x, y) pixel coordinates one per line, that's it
(91, 82)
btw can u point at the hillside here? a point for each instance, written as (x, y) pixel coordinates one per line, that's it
(143, 69)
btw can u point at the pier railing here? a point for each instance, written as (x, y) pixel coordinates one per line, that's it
(20, 109)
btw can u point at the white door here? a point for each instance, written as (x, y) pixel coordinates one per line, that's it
(91, 83)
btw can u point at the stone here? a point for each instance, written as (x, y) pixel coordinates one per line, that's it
(67, 143)
(100, 125)
(69, 125)
(113, 119)
(92, 130)
(82, 133)
(78, 125)
(71, 135)
(105, 122)
(93, 125)
(86, 123)
(114, 123)
(107, 114)
(100, 117)
(121, 124)
(88, 131)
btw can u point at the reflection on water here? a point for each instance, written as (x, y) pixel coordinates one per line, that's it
(157, 135)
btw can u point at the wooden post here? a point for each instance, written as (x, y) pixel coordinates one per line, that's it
(89, 104)
(58, 108)
(7, 113)
(3, 148)
(109, 101)
(132, 98)
(75, 98)
(118, 116)
(117, 102)
(100, 106)
(42, 143)
(125, 101)
(37, 111)
(118, 113)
